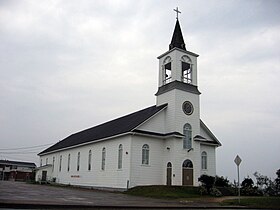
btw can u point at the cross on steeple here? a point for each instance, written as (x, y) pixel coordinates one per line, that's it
(177, 11)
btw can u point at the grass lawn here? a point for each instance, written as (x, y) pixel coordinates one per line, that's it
(256, 202)
(169, 192)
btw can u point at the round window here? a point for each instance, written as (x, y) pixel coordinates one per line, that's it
(187, 108)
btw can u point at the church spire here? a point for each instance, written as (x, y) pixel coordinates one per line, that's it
(177, 38)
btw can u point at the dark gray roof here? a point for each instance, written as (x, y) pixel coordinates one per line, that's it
(177, 85)
(177, 38)
(17, 163)
(109, 129)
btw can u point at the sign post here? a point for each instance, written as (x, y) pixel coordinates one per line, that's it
(237, 161)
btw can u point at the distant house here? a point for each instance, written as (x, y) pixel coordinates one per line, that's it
(16, 170)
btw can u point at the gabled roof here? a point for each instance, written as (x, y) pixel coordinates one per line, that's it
(177, 38)
(17, 163)
(213, 139)
(109, 129)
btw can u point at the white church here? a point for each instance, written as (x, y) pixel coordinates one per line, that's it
(165, 144)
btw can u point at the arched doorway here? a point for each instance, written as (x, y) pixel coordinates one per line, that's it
(187, 176)
(169, 174)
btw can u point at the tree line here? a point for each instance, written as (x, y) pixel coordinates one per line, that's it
(219, 185)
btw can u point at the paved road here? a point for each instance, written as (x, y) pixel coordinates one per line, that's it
(33, 194)
(22, 195)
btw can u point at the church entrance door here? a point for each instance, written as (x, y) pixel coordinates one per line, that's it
(169, 174)
(187, 169)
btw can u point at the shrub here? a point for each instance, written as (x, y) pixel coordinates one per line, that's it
(215, 192)
(207, 181)
(221, 181)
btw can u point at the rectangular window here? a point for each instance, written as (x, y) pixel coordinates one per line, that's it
(203, 160)
(145, 154)
(89, 160)
(60, 162)
(53, 163)
(78, 162)
(68, 165)
(120, 156)
(103, 159)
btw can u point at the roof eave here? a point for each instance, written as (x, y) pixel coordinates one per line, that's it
(209, 132)
(176, 48)
(83, 144)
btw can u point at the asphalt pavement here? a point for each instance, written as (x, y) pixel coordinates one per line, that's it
(35, 196)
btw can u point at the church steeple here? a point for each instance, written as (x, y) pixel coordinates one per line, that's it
(177, 38)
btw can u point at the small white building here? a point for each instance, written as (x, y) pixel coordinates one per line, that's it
(165, 144)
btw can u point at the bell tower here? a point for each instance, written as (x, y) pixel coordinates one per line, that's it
(177, 84)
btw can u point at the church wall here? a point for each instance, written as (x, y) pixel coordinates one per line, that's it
(211, 159)
(168, 97)
(204, 134)
(150, 174)
(155, 124)
(110, 177)
(177, 155)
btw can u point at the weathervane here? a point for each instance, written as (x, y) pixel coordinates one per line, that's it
(177, 11)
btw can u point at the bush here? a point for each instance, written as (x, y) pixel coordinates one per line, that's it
(215, 192)
(207, 182)
(227, 191)
(203, 190)
(247, 183)
(221, 181)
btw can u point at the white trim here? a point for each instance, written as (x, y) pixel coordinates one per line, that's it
(166, 105)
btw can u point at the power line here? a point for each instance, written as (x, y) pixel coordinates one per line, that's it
(11, 153)
(22, 148)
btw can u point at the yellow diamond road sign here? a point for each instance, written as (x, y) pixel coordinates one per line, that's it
(237, 160)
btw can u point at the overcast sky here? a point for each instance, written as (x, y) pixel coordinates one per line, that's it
(69, 65)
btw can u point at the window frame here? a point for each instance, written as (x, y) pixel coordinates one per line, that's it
(68, 163)
(89, 160)
(145, 154)
(103, 159)
(53, 161)
(78, 161)
(204, 160)
(120, 156)
(60, 162)
(187, 140)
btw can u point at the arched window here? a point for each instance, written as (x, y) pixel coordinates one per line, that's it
(89, 160)
(120, 156)
(78, 162)
(103, 159)
(60, 162)
(68, 165)
(145, 154)
(166, 70)
(187, 164)
(186, 69)
(203, 160)
(187, 141)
